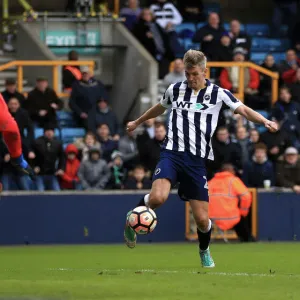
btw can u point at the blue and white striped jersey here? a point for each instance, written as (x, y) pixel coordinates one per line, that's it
(194, 116)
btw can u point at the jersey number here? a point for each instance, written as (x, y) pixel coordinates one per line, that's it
(205, 185)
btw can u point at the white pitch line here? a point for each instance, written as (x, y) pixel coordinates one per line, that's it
(174, 272)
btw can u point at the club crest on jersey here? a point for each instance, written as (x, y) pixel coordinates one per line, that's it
(207, 97)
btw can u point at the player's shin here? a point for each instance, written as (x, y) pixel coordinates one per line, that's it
(204, 235)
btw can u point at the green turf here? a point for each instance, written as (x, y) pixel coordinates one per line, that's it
(244, 272)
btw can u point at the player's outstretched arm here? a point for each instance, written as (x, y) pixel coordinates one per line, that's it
(255, 117)
(151, 113)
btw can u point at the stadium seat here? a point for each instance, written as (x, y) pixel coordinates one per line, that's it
(40, 131)
(257, 29)
(185, 30)
(199, 25)
(262, 128)
(258, 57)
(65, 119)
(279, 57)
(68, 135)
(265, 44)
(227, 27)
(188, 44)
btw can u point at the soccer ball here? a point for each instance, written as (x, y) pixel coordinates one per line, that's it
(142, 220)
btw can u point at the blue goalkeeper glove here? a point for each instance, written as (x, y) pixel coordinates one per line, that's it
(22, 166)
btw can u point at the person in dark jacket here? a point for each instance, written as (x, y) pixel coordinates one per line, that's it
(138, 180)
(71, 73)
(288, 171)
(42, 103)
(108, 145)
(239, 38)
(85, 94)
(103, 114)
(24, 123)
(155, 40)
(68, 176)
(265, 86)
(225, 151)
(49, 160)
(209, 36)
(150, 157)
(11, 91)
(295, 87)
(225, 49)
(276, 142)
(287, 112)
(259, 169)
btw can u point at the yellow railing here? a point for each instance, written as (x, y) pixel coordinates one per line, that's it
(243, 65)
(20, 64)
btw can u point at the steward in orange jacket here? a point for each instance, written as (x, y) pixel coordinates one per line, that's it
(229, 202)
(71, 73)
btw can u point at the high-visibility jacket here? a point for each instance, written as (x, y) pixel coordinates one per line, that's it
(70, 74)
(229, 199)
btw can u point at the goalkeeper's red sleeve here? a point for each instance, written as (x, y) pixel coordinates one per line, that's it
(10, 130)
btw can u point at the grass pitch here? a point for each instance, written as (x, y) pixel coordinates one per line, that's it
(150, 272)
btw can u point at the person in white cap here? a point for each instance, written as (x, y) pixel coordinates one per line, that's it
(288, 171)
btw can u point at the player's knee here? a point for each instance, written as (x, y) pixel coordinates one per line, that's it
(203, 223)
(157, 198)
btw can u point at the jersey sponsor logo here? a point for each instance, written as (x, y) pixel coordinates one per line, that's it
(191, 106)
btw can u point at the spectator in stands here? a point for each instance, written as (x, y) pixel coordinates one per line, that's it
(94, 173)
(230, 202)
(229, 79)
(49, 160)
(225, 48)
(108, 145)
(103, 114)
(259, 169)
(11, 179)
(85, 94)
(225, 151)
(295, 87)
(68, 175)
(166, 14)
(85, 144)
(254, 139)
(131, 12)
(177, 74)
(71, 73)
(288, 170)
(150, 157)
(244, 143)
(192, 10)
(286, 9)
(276, 142)
(296, 38)
(265, 86)
(11, 91)
(290, 67)
(128, 148)
(287, 112)
(138, 180)
(42, 103)
(24, 123)
(155, 40)
(117, 171)
(209, 36)
(147, 133)
(239, 38)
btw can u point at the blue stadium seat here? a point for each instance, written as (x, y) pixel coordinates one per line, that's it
(258, 57)
(265, 44)
(227, 27)
(68, 135)
(188, 44)
(199, 25)
(262, 128)
(185, 30)
(40, 131)
(279, 56)
(257, 29)
(65, 119)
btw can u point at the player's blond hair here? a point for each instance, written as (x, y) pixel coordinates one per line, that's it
(193, 58)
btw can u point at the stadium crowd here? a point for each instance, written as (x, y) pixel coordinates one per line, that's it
(109, 158)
